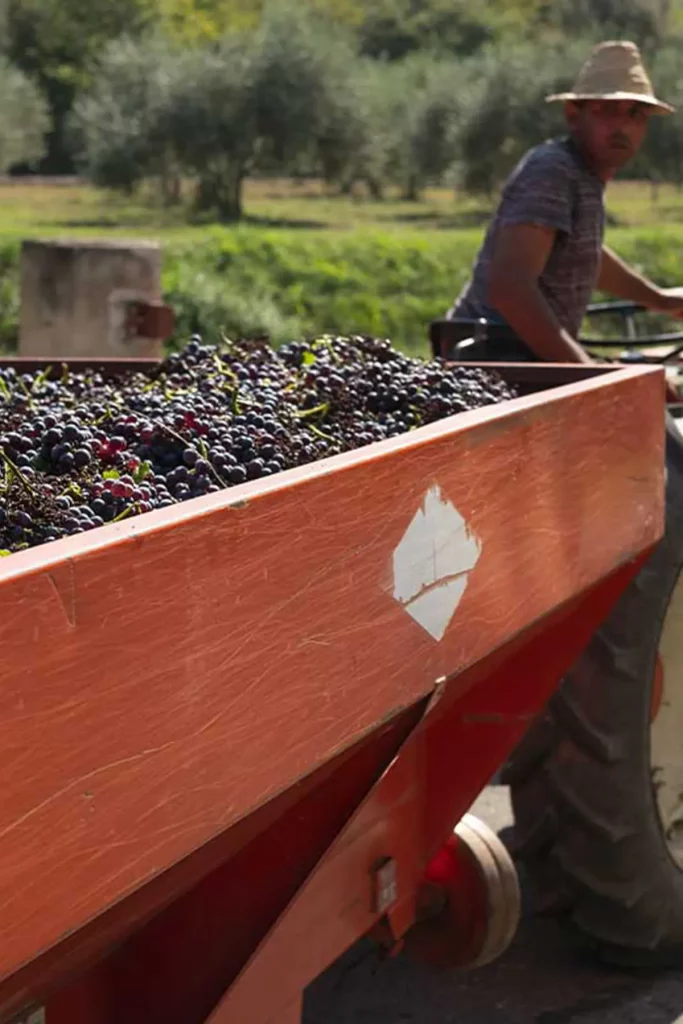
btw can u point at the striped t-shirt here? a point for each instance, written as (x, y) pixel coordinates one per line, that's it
(554, 187)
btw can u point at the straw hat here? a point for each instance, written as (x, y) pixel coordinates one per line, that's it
(615, 71)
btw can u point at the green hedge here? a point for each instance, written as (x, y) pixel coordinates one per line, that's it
(293, 283)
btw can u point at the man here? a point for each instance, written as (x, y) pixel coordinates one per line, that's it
(543, 254)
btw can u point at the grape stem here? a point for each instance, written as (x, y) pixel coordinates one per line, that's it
(17, 472)
(178, 437)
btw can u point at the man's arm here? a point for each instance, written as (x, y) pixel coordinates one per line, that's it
(622, 281)
(519, 258)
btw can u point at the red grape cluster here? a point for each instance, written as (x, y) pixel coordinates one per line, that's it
(82, 450)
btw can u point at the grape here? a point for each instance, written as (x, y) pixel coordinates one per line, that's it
(237, 475)
(85, 450)
(82, 457)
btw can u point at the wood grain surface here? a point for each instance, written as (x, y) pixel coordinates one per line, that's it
(165, 676)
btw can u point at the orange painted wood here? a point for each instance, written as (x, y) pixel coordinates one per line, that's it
(290, 1015)
(183, 919)
(413, 808)
(164, 677)
(175, 967)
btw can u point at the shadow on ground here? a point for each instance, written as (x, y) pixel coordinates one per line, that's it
(284, 222)
(441, 221)
(541, 980)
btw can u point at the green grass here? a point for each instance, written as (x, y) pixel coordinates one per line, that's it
(307, 262)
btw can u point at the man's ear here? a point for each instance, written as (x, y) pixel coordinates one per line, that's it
(571, 112)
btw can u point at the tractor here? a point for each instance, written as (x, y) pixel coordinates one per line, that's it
(597, 782)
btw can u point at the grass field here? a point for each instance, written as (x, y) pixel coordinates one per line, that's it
(50, 209)
(305, 261)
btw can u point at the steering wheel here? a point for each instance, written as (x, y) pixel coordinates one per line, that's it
(631, 342)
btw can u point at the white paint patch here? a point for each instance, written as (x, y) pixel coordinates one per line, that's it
(432, 563)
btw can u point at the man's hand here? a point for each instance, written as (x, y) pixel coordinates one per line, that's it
(669, 301)
(622, 281)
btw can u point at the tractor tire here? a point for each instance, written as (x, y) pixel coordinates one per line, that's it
(597, 785)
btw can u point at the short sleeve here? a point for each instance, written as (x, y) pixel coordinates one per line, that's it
(540, 192)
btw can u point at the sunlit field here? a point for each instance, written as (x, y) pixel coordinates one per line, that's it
(305, 260)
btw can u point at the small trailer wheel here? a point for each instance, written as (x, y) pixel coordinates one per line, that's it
(470, 904)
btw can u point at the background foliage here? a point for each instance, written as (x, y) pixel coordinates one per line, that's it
(378, 92)
(317, 165)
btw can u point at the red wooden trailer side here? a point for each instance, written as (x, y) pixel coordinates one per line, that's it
(235, 733)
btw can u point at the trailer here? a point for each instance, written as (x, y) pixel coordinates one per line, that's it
(239, 734)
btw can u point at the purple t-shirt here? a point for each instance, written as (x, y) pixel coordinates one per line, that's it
(551, 186)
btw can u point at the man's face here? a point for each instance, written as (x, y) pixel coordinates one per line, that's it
(610, 132)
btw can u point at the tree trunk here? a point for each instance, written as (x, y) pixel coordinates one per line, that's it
(171, 187)
(375, 188)
(221, 191)
(205, 194)
(412, 190)
(237, 203)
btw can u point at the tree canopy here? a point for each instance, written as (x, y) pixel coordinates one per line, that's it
(403, 92)
(24, 119)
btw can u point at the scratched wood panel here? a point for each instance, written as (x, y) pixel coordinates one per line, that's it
(163, 677)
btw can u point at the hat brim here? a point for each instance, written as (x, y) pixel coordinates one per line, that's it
(651, 101)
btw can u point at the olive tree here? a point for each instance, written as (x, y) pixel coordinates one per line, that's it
(644, 21)
(661, 158)
(209, 123)
(117, 126)
(24, 119)
(437, 98)
(509, 115)
(56, 42)
(406, 117)
(270, 101)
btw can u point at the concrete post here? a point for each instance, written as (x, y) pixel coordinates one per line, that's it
(75, 298)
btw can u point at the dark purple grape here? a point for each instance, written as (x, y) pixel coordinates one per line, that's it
(358, 390)
(52, 436)
(237, 475)
(82, 458)
(72, 433)
(58, 451)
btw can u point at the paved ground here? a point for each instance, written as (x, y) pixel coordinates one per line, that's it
(541, 980)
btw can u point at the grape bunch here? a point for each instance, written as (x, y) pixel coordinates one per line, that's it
(85, 449)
